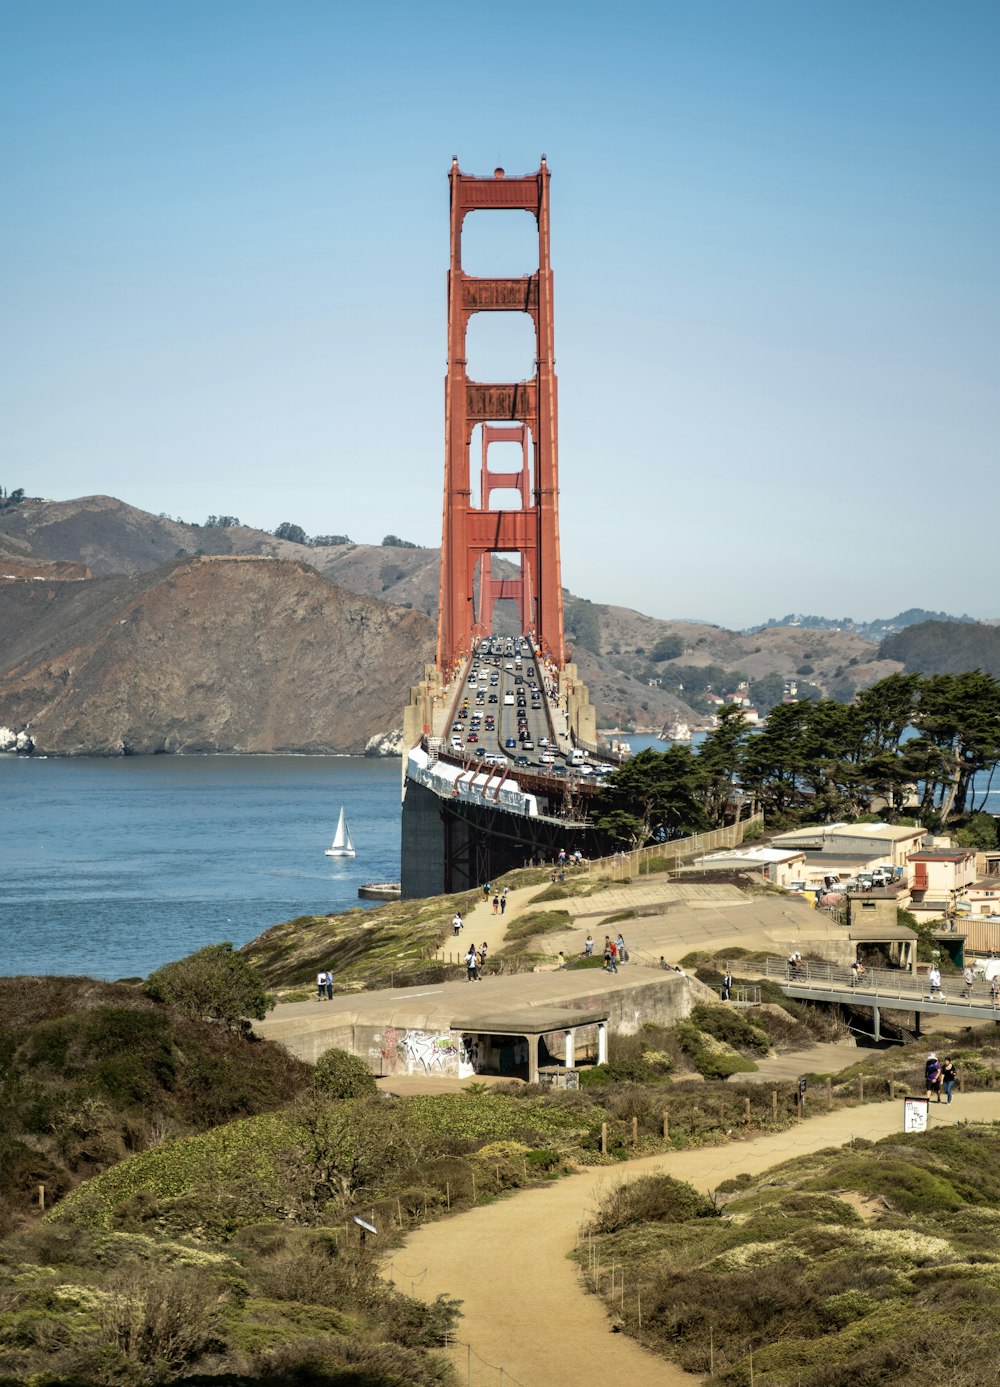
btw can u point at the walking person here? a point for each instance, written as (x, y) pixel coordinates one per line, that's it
(968, 978)
(933, 982)
(321, 985)
(503, 903)
(482, 956)
(486, 890)
(621, 953)
(496, 904)
(995, 992)
(457, 923)
(949, 1076)
(329, 984)
(471, 964)
(727, 985)
(588, 946)
(932, 1077)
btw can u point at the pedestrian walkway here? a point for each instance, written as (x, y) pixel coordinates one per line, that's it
(524, 1305)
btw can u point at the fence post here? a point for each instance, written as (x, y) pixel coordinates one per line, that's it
(774, 1104)
(746, 1110)
(604, 1138)
(666, 1124)
(635, 1131)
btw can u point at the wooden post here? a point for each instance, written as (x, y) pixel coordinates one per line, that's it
(41, 1197)
(604, 1138)
(746, 1111)
(635, 1131)
(666, 1124)
(774, 1105)
(473, 1187)
(447, 1193)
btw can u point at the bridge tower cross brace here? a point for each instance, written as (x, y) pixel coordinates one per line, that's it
(522, 411)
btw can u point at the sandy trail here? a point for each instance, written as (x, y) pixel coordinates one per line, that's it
(523, 1303)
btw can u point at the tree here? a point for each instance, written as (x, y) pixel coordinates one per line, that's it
(720, 758)
(958, 723)
(979, 833)
(651, 790)
(293, 533)
(394, 542)
(666, 648)
(214, 984)
(329, 541)
(221, 522)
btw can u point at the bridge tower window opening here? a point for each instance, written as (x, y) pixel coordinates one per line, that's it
(500, 246)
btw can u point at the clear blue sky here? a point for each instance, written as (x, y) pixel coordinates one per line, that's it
(776, 246)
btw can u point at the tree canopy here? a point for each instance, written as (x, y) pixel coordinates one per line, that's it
(823, 760)
(215, 984)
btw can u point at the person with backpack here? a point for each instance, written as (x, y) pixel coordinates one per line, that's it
(320, 985)
(932, 1077)
(472, 964)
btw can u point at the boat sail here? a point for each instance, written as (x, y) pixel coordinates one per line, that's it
(342, 845)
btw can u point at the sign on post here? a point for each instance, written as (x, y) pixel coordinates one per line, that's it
(914, 1114)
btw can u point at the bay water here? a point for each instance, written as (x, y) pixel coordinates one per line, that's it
(112, 867)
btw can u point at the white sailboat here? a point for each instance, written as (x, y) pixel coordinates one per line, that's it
(341, 845)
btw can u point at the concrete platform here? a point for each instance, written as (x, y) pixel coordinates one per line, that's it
(409, 1029)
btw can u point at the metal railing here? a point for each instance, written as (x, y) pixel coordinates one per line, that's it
(892, 983)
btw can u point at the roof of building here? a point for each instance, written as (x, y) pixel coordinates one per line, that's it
(875, 934)
(527, 1020)
(896, 833)
(941, 855)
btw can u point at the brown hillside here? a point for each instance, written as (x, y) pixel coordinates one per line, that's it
(205, 655)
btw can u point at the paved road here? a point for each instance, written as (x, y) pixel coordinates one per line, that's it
(524, 1306)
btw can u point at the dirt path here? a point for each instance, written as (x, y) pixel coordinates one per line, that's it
(523, 1303)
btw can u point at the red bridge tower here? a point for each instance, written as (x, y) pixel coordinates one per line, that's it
(523, 412)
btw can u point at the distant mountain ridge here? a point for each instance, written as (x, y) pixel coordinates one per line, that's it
(875, 630)
(944, 647)
(77, 576)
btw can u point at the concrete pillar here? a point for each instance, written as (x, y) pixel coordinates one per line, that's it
(916, 1023)
(570, 1038)
(876, 1018)
(602, 1042)
(532, 1058)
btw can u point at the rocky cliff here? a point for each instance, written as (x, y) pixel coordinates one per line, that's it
(205, 654)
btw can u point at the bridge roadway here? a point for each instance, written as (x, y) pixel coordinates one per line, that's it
(505, 690)
(881, 989)
(493, 786)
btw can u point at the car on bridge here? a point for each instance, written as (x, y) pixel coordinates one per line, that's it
(521, 761)
(510, 742)
(472, 737)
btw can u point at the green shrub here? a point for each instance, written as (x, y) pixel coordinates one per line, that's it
(649, 1199)
(725, 1023)
(339, 1074)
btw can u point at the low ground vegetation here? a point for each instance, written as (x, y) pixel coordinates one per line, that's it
(871, 1264)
